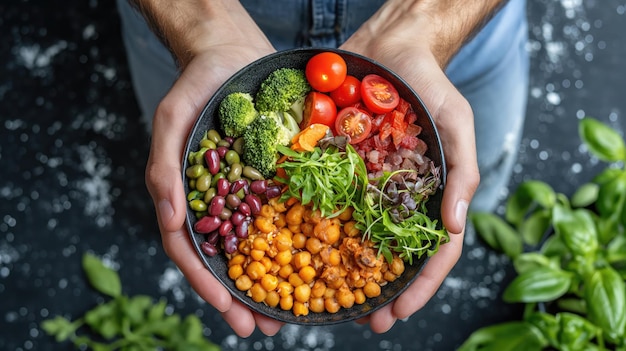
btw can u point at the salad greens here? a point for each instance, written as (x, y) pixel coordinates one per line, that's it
(126, 323)
(391, 211)
(572, 277)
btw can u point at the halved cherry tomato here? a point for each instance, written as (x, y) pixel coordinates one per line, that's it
(326, 71)
(354, 123)
(318, 108)
(348, 93)
(378, 94)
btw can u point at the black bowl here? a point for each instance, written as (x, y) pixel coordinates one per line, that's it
(248, 80)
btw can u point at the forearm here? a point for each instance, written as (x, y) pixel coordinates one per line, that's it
(443, 25)
(186, 28)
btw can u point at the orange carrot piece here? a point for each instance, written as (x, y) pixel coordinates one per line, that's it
(307, 138)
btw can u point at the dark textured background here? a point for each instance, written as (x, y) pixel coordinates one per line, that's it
(72, 156)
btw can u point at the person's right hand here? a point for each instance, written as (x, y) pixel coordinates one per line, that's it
(219, 51)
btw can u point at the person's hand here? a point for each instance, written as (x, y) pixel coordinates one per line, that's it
(224, 50)
(411, 45)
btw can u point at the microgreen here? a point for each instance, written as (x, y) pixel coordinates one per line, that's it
(126, 323)
(569, 255)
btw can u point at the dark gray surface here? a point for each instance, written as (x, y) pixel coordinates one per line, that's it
(73, 153)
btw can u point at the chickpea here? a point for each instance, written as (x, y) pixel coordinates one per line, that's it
(237, 259)
(389, 277)
(300, 309)
(307, 228)
(282, 241)
(267, 263)
(313, 245)
(284, 289)
(397, 266)
(371, 289)
(257, 293)
(318, 289)
(243, 283)
(285, 271)
(307, 273)
(316, 304)
(295, 214)
(259, 243)
(359, 296)
(301, 259)
(286, 302)
(257, 255)
(295, 279)
(302, 293)
(346, 215)
(345, 297)
(269, 282)
(264, 224)
(255, 270)
(295, 228)
(267, 211)
(283, 257)
(350, 229)
(235, 271)
(331, 305)
(280, 220)
(299, 241)
(272, 299)
(277, 205)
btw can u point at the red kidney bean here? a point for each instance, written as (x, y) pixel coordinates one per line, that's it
(238, 185)
(233, 201)
(272, 191)
(222, 186)
(225, 228)
(244, 208)
(213, 238)
(237, 218)
(230, 243)
(208, 248)
(216, 205)
(230, 140)
(258, 186)
(241, 231)
(212, 159)
(222, 150)
(254, 202)
(207, 224)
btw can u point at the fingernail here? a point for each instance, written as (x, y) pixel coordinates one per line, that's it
(461, 212)
(166, 211)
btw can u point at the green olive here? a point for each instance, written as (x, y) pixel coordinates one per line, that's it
(209, 195)
(238, 145)
(217, 177)
(195, 171)
(206, 143)
(194, 194)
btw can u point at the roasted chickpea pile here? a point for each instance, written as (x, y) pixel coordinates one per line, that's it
(296, 260)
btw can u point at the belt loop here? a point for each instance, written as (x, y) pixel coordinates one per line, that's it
(341, 19)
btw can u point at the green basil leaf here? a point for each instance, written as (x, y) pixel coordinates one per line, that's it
(602, 140)
(528, 194)
(585, 195)
(554, 247)
(137, 308)
(541, 284)
(575, 331)
(497, 233)
(547, 324)
(532, 260)
(572, 305)
(605, 295)
(105, 319)
(509, 336)
(616, 250)
(191, 328)
(612, 196)
(608, 228)
(102, 278)
(577, 229)
(61, 328)
(534, 228)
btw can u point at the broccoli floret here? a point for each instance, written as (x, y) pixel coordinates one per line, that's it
(259, 148)
(236, 112)
(281, 89)
(287, 126)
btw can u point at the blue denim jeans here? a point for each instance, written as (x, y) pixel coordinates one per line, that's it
(491, 71)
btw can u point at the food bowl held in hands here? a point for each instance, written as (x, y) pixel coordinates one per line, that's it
(249, 80)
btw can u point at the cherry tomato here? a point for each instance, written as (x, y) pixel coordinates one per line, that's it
(353, 123)
(318, 108)
(348, 93)
(378, 94)
(326, 71)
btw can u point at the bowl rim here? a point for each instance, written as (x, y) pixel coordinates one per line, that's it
(323, 318)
